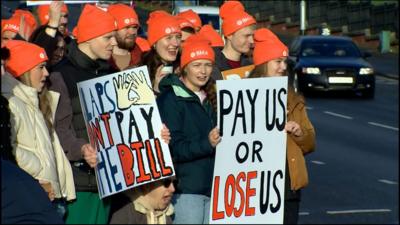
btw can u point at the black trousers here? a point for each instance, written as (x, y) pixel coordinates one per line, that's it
(291, 211)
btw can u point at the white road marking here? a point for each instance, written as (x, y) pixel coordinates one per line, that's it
(318, 162)
(309, 108)
(384, 126)
(387, 181)
(304, 213)
(358, 211)
(338, 115)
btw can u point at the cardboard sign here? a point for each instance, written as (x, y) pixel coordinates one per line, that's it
(124, 126)
(238, 73)
(40, 2)
(249, 172)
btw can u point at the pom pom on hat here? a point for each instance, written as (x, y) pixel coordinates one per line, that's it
(93, 23)
(124, 15)
(267, 46)
(160, 24)
(24, 56)
(196, 47)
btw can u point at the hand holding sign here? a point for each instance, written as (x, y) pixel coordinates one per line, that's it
(141, 88)
(214, 137)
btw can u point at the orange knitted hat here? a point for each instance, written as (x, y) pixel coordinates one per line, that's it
(124, 15)
(143, 44)
(193, 17)
(11, 24)
(23, 57)
(196, 47)
(93, 23)
(267, 46)
(212, 35)
(43, 13)
(183, 22)
(160, 24)
(234, 17)
(29, 18)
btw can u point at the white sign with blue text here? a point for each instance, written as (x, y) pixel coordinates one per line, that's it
(124, 126)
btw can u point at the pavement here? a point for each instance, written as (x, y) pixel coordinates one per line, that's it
(385, 64)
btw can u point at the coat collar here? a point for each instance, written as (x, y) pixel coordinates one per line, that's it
(29, 95)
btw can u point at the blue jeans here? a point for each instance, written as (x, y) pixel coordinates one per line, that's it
(191, 209)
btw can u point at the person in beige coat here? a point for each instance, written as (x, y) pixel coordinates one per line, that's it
(35, 143)
(269, 57)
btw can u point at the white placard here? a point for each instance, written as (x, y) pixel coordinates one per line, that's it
(124, 125)
(249, 173)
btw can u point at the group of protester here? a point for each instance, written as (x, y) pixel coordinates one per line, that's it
(47, 137)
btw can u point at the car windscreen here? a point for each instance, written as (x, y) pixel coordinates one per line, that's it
(210, 19)
(329, 49)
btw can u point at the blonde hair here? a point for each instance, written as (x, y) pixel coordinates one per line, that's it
(44, 100)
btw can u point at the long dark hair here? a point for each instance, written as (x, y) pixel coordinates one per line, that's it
(153, 60)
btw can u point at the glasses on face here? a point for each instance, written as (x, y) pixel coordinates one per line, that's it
(167, 182)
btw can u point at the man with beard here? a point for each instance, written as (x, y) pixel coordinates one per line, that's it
(127, 53)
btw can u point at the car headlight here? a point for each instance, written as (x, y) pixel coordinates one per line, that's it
(311, 70)
(366, 71)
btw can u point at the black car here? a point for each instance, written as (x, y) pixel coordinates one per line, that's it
(327, 63)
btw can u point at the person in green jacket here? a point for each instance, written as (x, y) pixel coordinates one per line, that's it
(184, 107)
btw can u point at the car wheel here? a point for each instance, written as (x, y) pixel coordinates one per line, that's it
(369, 93)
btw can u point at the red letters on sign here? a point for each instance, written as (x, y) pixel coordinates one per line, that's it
(232, 186)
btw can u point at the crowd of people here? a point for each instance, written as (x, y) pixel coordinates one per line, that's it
(48, 162)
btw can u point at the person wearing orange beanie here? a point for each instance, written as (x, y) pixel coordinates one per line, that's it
(185, 108)
(36, 145)
(164, 37)
(58, 20)
(193, 18)
(238, 28)
(127, 53)
(187, 28)
(212, 35)
(269, 58)
(87, 59)
(9, 29)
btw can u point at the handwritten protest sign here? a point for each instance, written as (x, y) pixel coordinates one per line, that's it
(238, 73)
(40, 2)
(249, 172)
(124, 125)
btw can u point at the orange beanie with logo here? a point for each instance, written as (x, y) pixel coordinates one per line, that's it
(234, 17)
(160, 24)
(24, 56)
(267, 46)
(93, 23)
(11, 24)
(43, 12)
(193, 17)
(212, 35)
(183, 22)
(196, 47)
(124, 15)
